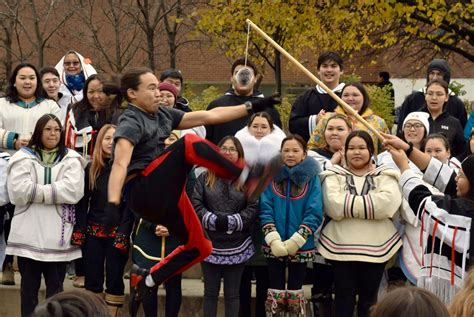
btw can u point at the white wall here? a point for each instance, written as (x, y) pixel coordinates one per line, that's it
(403, 87)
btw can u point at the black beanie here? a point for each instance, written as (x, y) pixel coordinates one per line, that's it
(441, 65)
(468, 169)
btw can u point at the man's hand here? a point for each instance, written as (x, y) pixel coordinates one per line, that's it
(400, 158)
(264, 103)
(161, 231)
(392, 141)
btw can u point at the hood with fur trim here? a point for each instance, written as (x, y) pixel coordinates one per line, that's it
(301, 173)
(262, 150)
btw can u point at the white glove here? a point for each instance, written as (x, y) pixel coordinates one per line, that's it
(277, 247)
(294, 243)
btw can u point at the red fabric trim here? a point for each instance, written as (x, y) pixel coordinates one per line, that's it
(154, 164)
(194, 158)
(421, 235)
(196, 238)
(453, 252)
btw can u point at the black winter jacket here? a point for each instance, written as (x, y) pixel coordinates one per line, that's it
(215, 133)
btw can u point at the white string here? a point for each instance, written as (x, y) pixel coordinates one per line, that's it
(247, 45)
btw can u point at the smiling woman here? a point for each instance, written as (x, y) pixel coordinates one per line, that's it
(99, 107)
(44, 180)
(356, 96)
(22, 107)
(74, 70)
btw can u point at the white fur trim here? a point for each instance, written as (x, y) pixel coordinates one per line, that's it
(263, 150)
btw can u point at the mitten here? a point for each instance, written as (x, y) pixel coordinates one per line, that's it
(277, 247)
(294, 243)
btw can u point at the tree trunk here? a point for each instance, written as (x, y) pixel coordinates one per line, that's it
(172, 49)
(278, 71)
(151, 49)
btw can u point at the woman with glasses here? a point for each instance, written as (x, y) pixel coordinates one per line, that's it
(74, 70)
(437, 95)
(415, 128)
(227, 216)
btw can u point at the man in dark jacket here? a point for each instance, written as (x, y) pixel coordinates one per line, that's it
(175, 78)
(315, 101)
(437, 69)
(243, 90)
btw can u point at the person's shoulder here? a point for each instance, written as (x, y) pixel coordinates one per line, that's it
(307, 93)
(414, 95)
(219, 101)
(72, 154)
(385, 171)
(455, 100)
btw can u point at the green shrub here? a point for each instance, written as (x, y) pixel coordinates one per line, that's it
(200, 101)
(381, 103)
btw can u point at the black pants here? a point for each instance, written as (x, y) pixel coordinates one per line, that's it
(276, 273)
(100, 253)
(213, 273)
(172, 299)
(6, 226)
(158, 195)
(261, 275)
(353, 278)
(31, 271)
(323, 279)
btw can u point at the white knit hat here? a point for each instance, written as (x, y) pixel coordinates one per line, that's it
(420, 116)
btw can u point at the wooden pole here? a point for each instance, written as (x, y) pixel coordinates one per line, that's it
(343, 104)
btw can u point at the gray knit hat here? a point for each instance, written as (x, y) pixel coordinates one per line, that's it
(441, 65)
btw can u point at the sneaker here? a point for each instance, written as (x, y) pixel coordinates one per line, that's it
(78, 282)
(138, 287)
(260, 176)
(8, 277)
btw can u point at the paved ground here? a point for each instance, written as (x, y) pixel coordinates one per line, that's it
(191, 305)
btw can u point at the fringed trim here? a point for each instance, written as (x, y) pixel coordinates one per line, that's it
(440, 287)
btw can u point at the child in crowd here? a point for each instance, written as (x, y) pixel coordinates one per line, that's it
(290, 213)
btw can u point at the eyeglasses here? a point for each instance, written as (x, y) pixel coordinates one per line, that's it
(435, 95)
(230, 150)
(72, 63)
(416, 126)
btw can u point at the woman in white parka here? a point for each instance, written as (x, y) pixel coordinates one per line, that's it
(23, 104)
(45, 180)
(261, 140)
